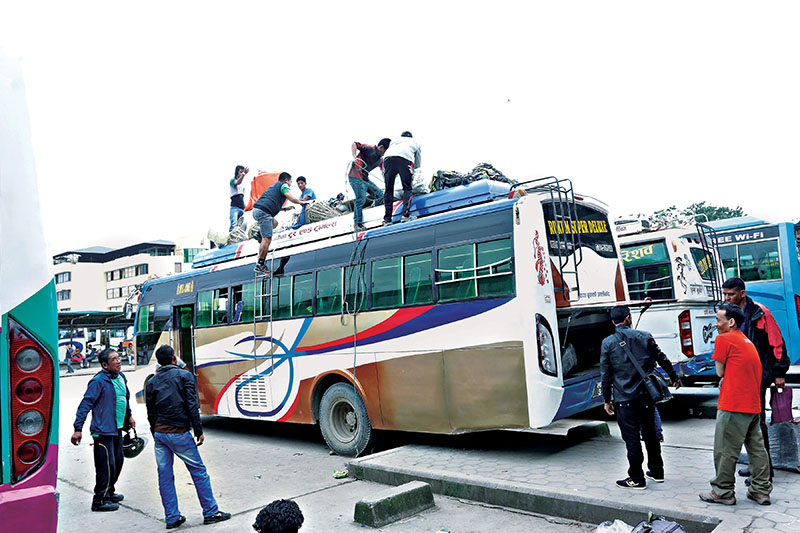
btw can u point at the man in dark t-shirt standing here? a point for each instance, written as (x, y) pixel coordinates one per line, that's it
(738, 412)
(266, 209)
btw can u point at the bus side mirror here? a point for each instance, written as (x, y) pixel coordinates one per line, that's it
(127, 309)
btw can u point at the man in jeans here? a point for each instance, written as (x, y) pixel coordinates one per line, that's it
(401, 159)
(633, 406)
(367, 157)
(108, 398)
(738, 412)
(172, 408)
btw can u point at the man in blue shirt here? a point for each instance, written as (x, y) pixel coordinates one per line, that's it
(305, 194)
(107, 397)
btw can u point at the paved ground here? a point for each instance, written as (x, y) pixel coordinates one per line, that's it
(252, 463)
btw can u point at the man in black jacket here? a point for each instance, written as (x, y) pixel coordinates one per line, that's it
(172, 408)
(633, 406)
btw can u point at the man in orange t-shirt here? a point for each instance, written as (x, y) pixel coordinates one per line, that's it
(738, 412)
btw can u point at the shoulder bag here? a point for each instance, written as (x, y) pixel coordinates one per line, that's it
(656, 384)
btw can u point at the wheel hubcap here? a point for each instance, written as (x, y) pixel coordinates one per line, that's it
(345, 421)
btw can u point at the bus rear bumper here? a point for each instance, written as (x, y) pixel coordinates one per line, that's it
(29, 509)
(580, 394)
(699, 365)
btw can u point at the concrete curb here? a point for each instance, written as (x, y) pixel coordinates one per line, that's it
(394, 504)
(542, 500)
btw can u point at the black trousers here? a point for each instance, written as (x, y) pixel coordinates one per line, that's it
(637, 417)
(764, 430)
(391, 168)
(108, 460)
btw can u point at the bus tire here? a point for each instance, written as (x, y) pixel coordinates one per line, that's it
(343, 420)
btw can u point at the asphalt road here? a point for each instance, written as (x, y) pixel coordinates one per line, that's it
(252, 463)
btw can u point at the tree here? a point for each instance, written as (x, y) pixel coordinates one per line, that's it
(672, 217)
(715, 213)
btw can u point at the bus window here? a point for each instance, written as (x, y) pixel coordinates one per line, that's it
(499, 280)
(204, 301)
(302, 295)
(648, 271)
(417, 279)
(65, 334)
(727, 255)
(355, 288)
(212, 307)
(704, 263)
(145, 318)
(281, 297)
(759, 261)
(220, 306)
(242, 303)
(462, 259)
(386, 284)
(329, 291)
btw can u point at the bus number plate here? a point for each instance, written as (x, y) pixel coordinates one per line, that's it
(597, 390)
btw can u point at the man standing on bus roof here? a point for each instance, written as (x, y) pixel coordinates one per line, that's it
(172, 408)
(108, 398)
(760, 327)
(633, 406)
(401, 158)
(737, 363)
(306, 193)
(266, 209)
(237, 194)
(367, 158)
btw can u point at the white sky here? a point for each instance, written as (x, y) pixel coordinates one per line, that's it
(140, 111)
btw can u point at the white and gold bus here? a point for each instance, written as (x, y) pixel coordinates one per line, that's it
(485, 312)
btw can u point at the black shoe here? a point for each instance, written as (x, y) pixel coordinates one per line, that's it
(744, 472)
(176, 523)
(650, 475)
(219, 517)
(116, 497)
(629, 483)
(748, 480)
(361, 227)
(104, 507)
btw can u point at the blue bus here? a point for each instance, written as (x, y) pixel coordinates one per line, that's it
(765, 256)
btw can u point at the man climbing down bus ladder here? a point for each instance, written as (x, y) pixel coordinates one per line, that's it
(266, 209)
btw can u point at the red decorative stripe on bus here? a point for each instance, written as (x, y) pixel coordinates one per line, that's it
(399, 317)
(239, 251)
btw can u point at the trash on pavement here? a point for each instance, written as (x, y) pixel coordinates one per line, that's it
(617, 526)
(339, 474)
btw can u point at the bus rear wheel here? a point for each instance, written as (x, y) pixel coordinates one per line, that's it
(343, 420)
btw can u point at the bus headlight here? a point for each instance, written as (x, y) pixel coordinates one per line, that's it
(546, 347)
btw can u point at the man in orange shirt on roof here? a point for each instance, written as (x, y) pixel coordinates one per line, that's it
(738, 412)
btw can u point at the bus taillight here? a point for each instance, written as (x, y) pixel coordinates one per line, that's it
(797, 306)
(685, 328)
(32, 376)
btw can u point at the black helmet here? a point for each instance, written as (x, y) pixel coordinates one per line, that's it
(131, 447)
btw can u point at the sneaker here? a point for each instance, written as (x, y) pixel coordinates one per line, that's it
(649, 475)
(176, 523)
(712, 497)
(408, 219)
(629, 483)
(744, 472)
(104, 507)
(387, 223)
(261, 269)
(760, 499)
(116, 497)
(361, 227)
(214, 518)
(747, 481)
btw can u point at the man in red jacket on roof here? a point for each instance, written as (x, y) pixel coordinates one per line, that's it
(760, 327)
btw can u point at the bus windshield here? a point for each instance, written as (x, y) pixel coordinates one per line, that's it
(648, 270)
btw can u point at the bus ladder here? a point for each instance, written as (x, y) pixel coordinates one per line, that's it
(708, 241)
(262, 290)
(564, 244)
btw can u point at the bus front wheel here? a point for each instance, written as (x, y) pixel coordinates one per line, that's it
(343, 420)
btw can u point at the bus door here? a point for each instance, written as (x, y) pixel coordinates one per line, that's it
(182, 318)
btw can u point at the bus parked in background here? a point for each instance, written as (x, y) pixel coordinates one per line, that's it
(765, 256)
(486, 312)
(678, 270)
(28, 324)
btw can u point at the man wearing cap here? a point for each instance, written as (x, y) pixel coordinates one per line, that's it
(401, 158)
(632, 404)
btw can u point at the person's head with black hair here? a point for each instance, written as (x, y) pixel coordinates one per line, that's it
(729, 318)
(239, 168)
(406, 134)
(165, 355)
(280, 516)
(110, 360)
(383, 145)
(620, 315)
(733, 290)
(285, 176)
(301, 183)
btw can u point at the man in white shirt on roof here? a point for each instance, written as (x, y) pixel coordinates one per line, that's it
(402, 157)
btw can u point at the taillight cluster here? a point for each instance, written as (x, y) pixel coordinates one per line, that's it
(32, 375)
(685, 328)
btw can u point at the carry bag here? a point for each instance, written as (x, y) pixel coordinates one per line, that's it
(656, 384)
(781, 404)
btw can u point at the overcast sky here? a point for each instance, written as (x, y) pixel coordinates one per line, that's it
(141, 111)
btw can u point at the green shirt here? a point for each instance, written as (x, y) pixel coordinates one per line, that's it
(122, 400)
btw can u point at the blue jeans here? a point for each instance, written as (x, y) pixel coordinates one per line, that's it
(360, 187)
(236, 214)
(181, 444)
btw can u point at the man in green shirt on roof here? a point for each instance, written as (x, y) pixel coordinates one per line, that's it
(266, 209)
